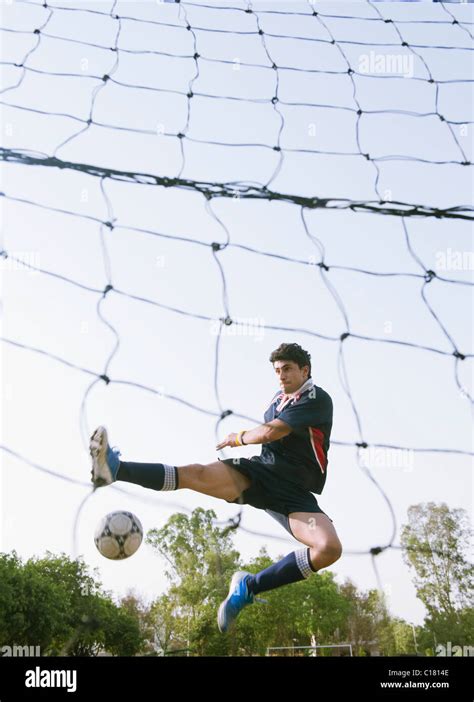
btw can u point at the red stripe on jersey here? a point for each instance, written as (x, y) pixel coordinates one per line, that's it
(317, 438)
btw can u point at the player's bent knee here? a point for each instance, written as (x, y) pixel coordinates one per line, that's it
(329, 551)
(332, 551)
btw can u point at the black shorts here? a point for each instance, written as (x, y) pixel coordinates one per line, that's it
(268, 491)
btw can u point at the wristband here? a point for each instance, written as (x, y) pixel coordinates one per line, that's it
(239, 440)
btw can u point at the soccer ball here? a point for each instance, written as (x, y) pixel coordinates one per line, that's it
(118, 535)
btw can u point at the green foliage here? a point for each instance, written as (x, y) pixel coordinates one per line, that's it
(201, 560)
(54, 603)
(368, 625)
(397, 638)
(435, 544)
(440, 628)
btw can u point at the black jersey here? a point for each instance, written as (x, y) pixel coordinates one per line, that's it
(305, 450)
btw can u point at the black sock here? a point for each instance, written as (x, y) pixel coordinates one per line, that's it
(156, 476)
(293, 567)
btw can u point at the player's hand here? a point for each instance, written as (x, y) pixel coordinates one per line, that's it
(230, 440)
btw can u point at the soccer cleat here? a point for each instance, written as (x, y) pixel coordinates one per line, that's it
(238, 598)
(105, 460)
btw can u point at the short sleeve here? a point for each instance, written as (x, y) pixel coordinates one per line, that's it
(308, 414)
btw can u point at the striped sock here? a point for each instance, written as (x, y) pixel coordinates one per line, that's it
(156, 476)
(293, 567)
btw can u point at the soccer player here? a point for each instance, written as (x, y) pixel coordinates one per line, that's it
(291, 467)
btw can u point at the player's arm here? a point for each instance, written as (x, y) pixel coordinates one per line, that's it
(263, 434)
(270, 431)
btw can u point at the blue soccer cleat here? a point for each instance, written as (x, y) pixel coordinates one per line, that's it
(105, 460)
(238, 598)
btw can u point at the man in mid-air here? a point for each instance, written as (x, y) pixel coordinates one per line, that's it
(291, 467)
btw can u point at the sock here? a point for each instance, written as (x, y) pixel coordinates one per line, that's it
(157, 476)
(293, 567)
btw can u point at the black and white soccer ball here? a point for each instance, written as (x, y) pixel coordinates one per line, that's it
(118, 535)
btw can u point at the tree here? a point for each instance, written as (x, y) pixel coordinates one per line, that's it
(142, 613)
(397, 637)
(440, 628)
(367, 618)
(31, 607)
(435, 545)
(166, 626)
(53, 602)
(201, 562)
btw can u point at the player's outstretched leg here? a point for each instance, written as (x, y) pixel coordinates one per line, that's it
(107, 467)
(215, 479)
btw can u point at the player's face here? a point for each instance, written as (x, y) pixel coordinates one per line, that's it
(290, 375)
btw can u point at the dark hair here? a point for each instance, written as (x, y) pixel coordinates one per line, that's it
(292, 352)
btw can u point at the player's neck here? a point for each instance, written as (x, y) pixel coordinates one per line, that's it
(305, 386)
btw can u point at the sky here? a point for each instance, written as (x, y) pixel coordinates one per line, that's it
(159, 250)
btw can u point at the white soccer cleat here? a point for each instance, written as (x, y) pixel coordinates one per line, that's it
(105, 461)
